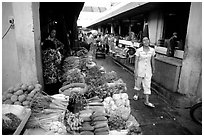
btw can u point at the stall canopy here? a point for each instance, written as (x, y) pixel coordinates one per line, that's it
(118, 9)
(125, 10)
(93, 9)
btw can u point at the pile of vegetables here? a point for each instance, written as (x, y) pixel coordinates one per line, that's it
(94, 76)
(118, 105)
(70, 63)
(10, 123)
(58, 128)
(43, 103)
(87, 128)
(100, 123)
(118, 86)
(49, 120)
(134, 130)
(116, 122)
(111, 77)
(95, 118)
(72, 121)
(100, 91)
(21, 94)
(73, 76)
(77, 101)
(106, 90)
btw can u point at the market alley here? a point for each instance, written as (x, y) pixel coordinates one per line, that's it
(157, 121)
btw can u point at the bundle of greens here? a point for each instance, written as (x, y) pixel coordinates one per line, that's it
(45, 119)
(134, 130)
(77, 97)
(116, 123)
(77, 101)
(43, 102)
(95, 77)
(117, 86)
(73, 76)
(72, 121)
(102, 92)
(111, 76)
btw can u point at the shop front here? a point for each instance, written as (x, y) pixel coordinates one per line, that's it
(22, 61)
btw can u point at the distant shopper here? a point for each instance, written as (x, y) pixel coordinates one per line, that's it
(89, 41)
(172, 44)
(117, 39)
(144, 68)
(111, 43)
(106, 43)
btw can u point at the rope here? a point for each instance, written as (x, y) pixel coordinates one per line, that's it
(7, 31)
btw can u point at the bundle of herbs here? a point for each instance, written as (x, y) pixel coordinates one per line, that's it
(101, 91)
(95, 77)
(116, 123)
(44, 101)
(77, 101)
(73, 76)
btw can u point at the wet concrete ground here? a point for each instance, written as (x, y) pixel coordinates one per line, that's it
(161, 120)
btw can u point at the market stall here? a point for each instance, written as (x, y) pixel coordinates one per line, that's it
(91, 102)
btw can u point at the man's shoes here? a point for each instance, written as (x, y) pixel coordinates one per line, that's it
(149, 104)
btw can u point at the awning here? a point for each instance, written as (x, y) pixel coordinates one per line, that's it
(120, 8)
(93, 9)
(125, 10)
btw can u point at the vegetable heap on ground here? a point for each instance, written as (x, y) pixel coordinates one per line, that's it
(21, 94)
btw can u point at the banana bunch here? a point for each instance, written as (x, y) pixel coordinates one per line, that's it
(73, 121)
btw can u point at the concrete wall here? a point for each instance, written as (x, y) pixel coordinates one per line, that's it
(19, 53)
(155, 24)
(192, 61)
(10, 64)
(37, 38)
